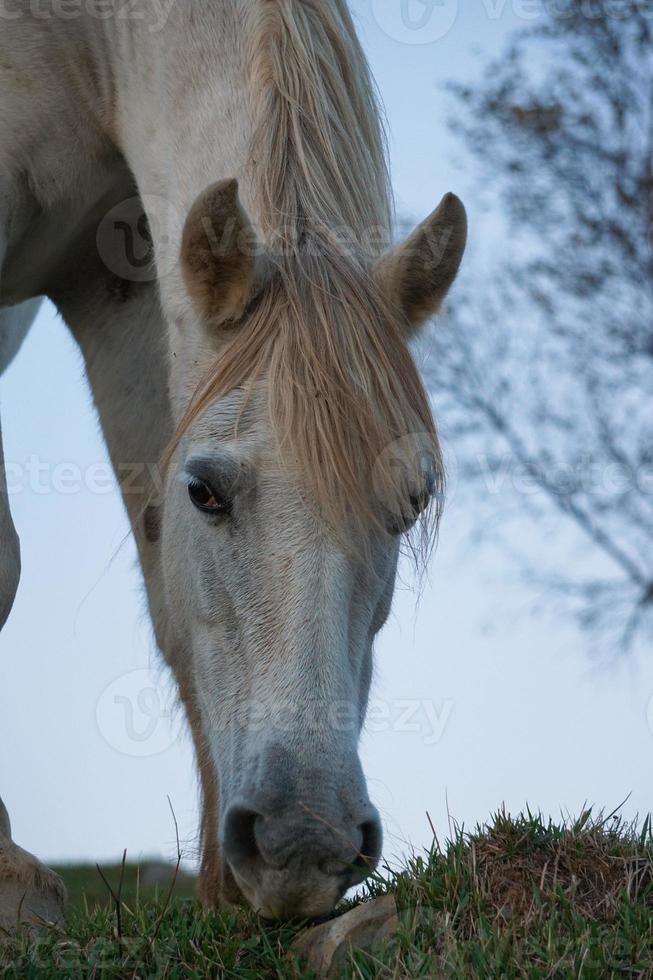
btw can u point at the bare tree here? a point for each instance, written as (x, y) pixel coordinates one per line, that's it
(545, 373)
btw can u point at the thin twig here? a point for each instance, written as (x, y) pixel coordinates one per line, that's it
(431, 825)
(174, 877)
(116, 898)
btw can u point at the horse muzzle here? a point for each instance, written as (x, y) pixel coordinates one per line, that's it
(298, 861)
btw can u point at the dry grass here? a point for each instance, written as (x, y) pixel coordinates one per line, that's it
(590, 863)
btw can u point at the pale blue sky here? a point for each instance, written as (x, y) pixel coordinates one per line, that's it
(508, 707)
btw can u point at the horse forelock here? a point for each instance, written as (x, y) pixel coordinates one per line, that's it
(346, 404)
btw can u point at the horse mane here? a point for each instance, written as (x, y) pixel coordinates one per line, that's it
(318, 150)
(343, 387)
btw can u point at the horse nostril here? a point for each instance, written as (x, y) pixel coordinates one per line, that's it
(239, 840)
(372, 840)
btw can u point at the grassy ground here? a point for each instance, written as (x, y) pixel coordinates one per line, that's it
(139, 884)
(521, 897)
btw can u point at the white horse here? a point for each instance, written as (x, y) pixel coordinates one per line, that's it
(201, 189)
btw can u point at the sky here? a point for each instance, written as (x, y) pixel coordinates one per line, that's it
(476, 703)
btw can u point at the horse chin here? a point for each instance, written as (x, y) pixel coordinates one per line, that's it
(279, 895)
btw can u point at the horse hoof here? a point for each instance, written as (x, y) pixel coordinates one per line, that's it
(31, 896)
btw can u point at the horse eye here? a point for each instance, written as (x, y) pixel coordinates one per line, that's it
(402, 524)
(206, 499)
(418, 501)
(421, 499)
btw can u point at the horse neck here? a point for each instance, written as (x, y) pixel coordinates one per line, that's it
(180, 116)
(182, 120)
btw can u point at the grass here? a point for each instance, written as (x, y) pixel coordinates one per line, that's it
(522, 897)
(139, 884)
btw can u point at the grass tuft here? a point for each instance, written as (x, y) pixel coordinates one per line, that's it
(519, 897)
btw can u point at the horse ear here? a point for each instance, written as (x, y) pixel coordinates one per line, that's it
(420, 271)
(220, 255)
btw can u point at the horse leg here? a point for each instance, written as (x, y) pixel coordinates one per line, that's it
(15, 321)
(9, 549)
(123, 338)
(30, 894)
